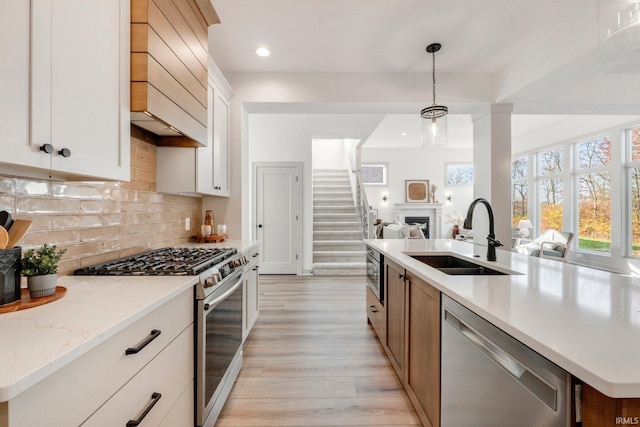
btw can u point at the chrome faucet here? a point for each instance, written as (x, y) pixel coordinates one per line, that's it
(491, 238)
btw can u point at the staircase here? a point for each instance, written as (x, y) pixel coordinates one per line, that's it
(338, 247)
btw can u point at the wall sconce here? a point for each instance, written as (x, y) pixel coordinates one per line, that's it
(449, 197)
(384, 198)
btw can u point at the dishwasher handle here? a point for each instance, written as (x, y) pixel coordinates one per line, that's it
(544, 391)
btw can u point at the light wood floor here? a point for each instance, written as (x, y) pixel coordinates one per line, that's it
(312, 360)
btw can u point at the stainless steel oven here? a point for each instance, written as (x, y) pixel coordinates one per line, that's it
(375, 278)
(218, 346)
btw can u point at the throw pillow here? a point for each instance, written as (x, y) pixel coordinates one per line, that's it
(415, 231)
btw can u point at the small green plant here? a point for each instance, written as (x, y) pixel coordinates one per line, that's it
(41, 261)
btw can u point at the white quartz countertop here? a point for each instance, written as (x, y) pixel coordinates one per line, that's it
(584, 320)
(38, 341)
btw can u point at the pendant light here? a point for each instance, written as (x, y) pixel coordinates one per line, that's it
(434, 117)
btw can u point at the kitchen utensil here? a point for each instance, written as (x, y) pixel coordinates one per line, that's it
(4, 238)
(18, 230)
(5, 220)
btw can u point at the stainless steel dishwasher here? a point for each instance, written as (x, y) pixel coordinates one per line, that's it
(489, 379)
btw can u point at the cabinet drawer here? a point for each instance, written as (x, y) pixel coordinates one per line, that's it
(168, 375)
(376, 315)
(73, 393)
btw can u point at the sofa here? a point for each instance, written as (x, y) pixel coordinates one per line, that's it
(396, 230)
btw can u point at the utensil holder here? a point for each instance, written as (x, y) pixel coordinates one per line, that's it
(10, 269)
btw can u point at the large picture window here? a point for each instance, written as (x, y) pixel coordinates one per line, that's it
(550, 189)
(519, 190)
(594, 194)
(633, 178)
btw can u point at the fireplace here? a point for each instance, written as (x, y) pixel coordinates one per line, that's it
(422, 220)
(404, 211)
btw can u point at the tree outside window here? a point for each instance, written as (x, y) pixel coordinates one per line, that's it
(519, 190)
(634, 189)
(550, 189)
(594, 194)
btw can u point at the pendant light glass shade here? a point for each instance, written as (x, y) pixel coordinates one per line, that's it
(434, 117)
(434, 125)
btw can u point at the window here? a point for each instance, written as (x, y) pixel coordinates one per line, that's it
(519, 190)
(633, 179)
(459, 174)
(593, 179)
(550, 188)
(373, 174)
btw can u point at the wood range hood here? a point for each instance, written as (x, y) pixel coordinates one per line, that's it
(169, 60)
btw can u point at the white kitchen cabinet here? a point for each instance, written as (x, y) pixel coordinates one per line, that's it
(68, 86)
(200, 170)
(155, 388)
(107, 377)
(251, 291)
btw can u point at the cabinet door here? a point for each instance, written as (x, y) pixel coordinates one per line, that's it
(212, 170)
(15, 40)
(67, 84)
(395, 306)
(89, 94)
(423, 349)
(221, 144)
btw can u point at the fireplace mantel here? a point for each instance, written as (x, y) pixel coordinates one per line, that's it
(432, 210)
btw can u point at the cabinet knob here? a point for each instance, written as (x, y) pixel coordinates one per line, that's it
(47, 148)
(65, 152)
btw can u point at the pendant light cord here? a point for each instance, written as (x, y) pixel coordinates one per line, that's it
(434, 77)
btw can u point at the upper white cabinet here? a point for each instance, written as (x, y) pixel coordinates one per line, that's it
(201, 170)
(213, 160)
(66, 84)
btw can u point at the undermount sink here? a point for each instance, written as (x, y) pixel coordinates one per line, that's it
(455, 266)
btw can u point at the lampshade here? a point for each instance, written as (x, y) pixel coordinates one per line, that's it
(434, 117)
(524, 223)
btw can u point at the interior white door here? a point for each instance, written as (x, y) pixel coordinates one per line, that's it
(276, 217)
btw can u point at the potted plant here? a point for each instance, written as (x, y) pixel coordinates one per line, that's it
(40, 266)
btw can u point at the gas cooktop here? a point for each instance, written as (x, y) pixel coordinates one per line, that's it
(161, 262)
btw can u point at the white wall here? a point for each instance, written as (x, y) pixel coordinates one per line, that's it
(330, 154)
(417, 163)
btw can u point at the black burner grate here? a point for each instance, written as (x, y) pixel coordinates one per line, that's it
(161, 262)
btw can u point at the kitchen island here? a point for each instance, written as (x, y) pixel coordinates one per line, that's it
(584, 320)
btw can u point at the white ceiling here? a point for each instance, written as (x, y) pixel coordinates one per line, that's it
(479, 37)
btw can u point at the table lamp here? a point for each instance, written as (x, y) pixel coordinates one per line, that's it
(524, 225)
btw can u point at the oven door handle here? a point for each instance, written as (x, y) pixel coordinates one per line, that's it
(228, 292)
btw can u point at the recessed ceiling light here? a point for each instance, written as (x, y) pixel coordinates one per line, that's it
(262, 51)
(403, 134)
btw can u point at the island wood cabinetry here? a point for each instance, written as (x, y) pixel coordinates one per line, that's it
(65, 86)
(147, 365)
(201, 170)
(411, 336)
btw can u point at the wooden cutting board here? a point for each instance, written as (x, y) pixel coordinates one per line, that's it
(4, 238)
(17, 231)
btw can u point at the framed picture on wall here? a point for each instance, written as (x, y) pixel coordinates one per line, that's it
(373, 173)
(417, 191)
(458, 174)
